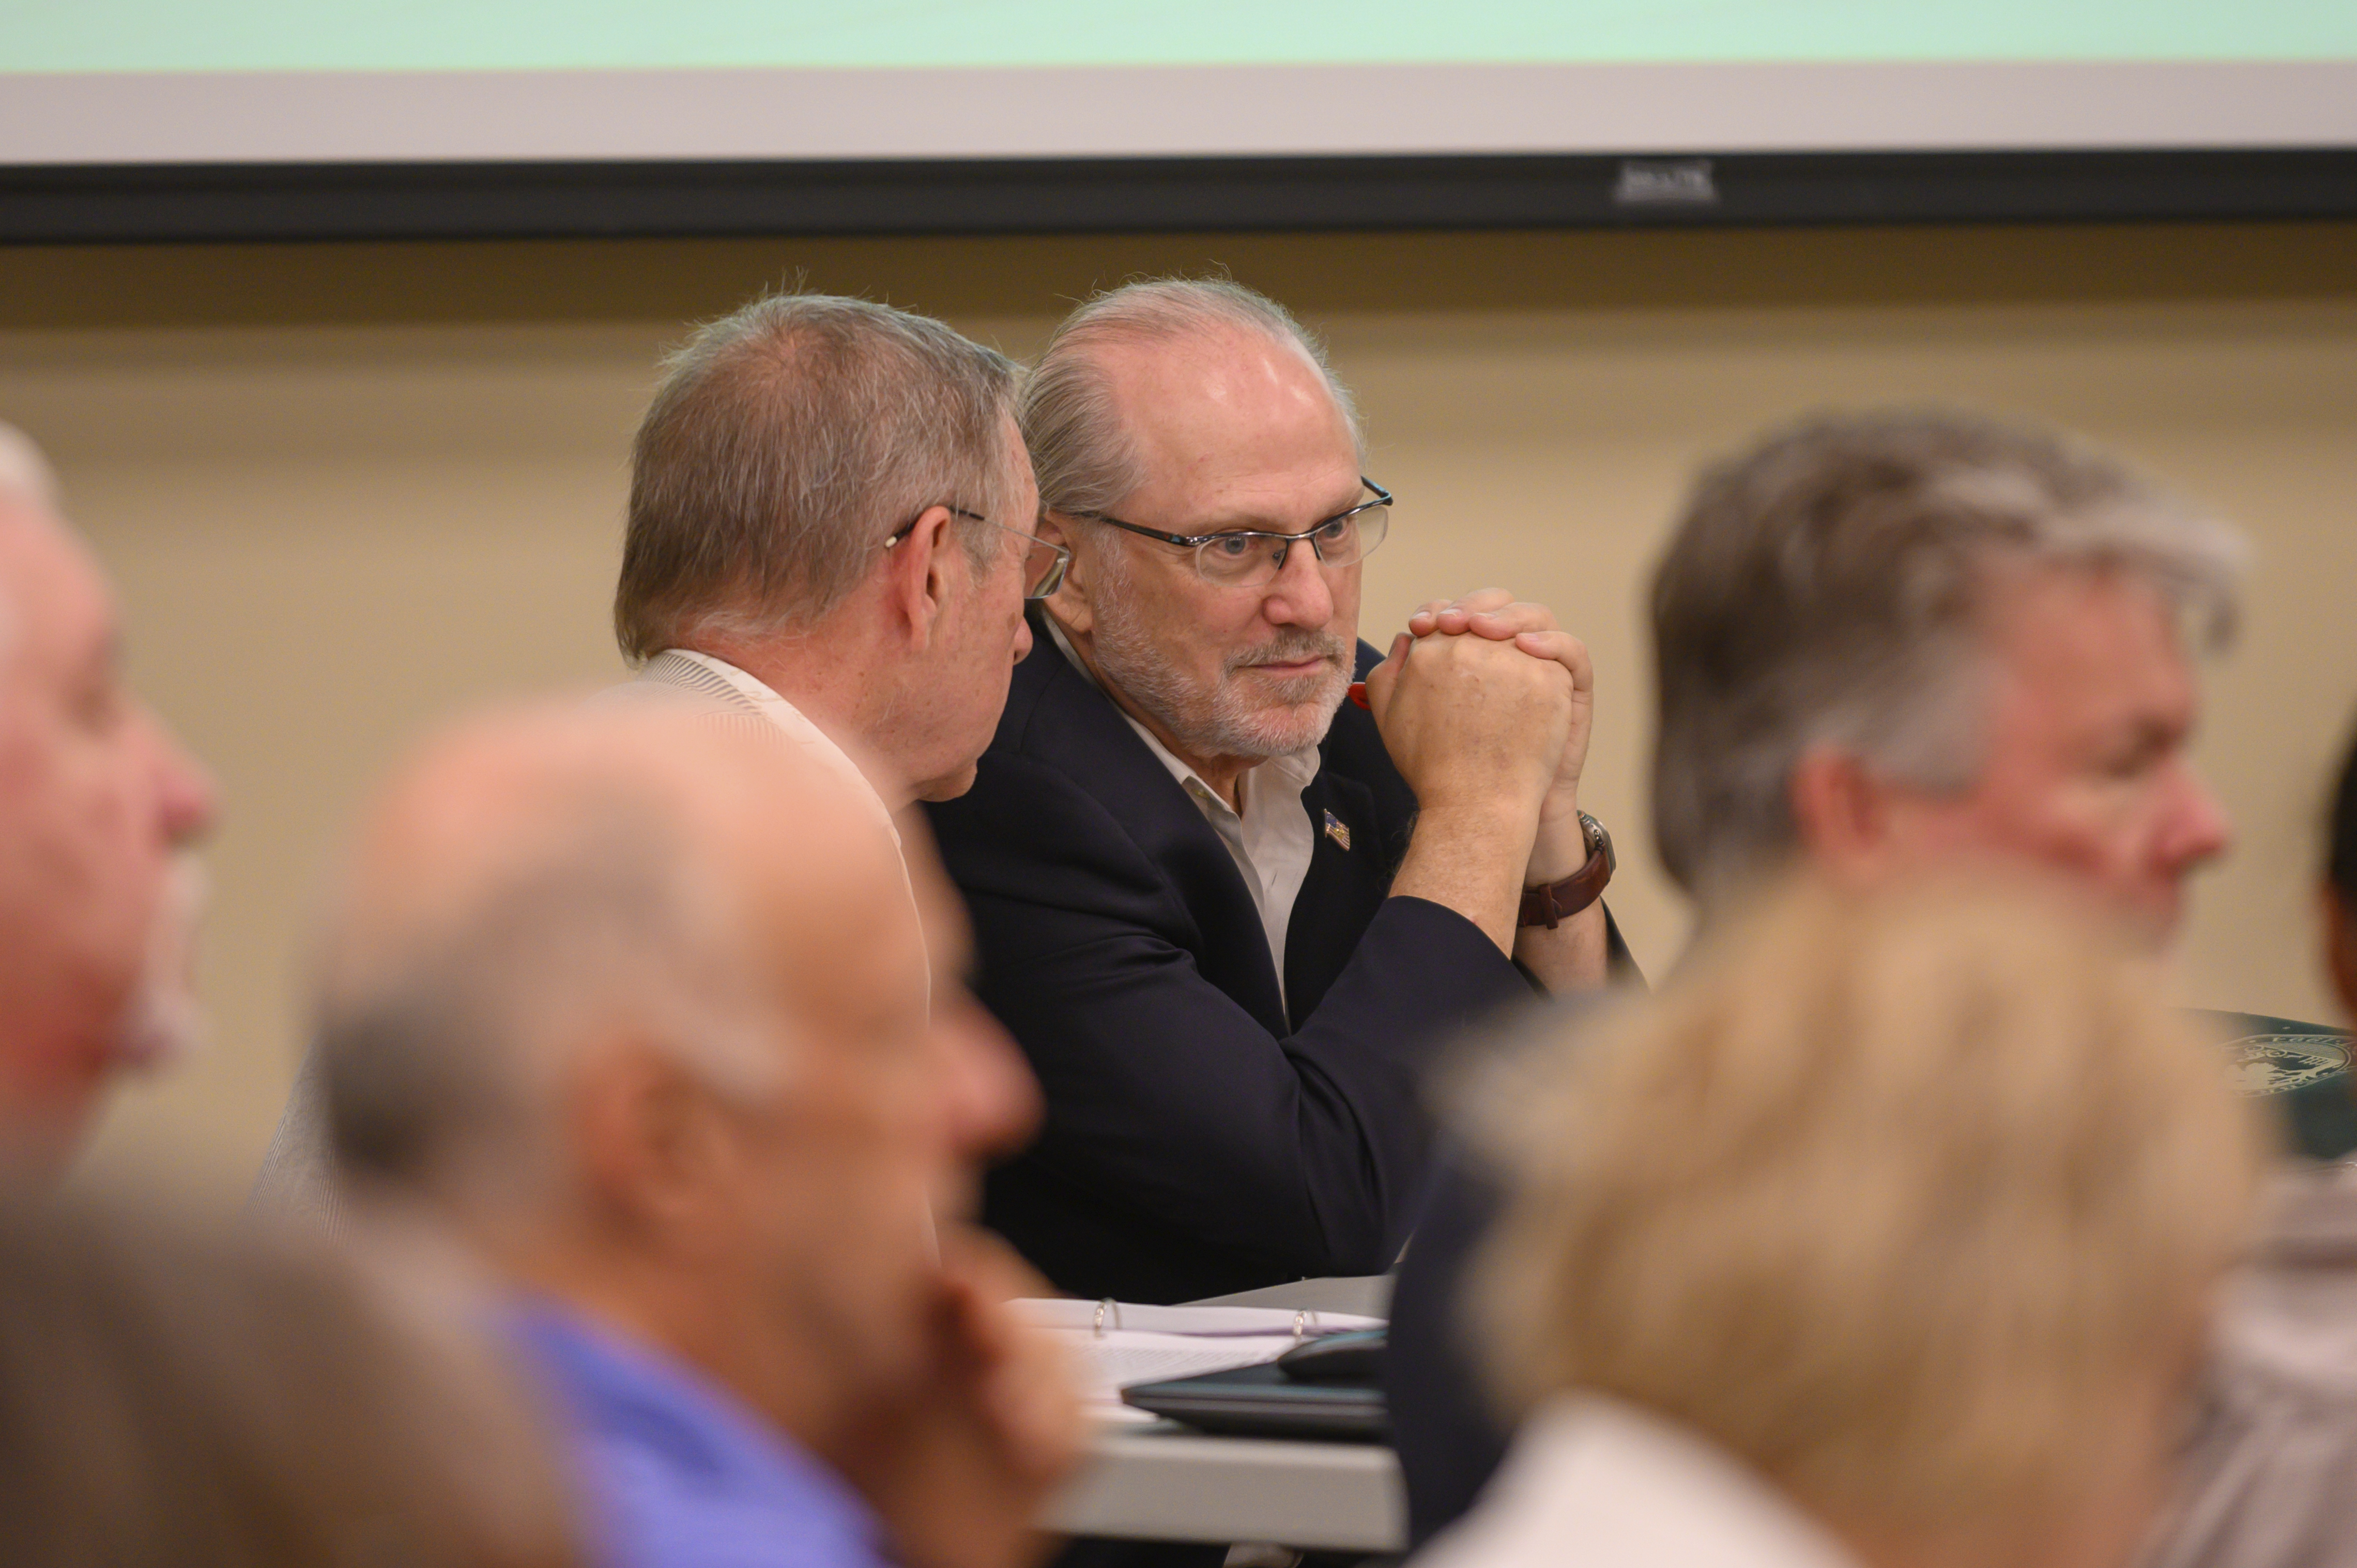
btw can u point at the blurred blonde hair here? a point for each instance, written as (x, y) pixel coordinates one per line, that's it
(1899, 1199)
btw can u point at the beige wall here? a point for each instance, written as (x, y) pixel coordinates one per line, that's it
(346, 489)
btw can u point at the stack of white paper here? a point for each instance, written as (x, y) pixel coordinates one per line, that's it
(1115, 1343)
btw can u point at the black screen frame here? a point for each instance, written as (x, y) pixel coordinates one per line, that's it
(107, 204)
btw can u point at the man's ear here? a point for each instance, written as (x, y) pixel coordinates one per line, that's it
(918, 584)
(1841, 814)
(1072, 603)
(652, 1145)
(2340, 948)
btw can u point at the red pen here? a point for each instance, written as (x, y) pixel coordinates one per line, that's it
(1358, 693)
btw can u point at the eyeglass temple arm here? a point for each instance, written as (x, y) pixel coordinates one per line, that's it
(1149, 533)
(1382, 497)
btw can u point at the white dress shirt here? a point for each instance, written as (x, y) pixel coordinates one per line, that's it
(1601, 1483)
(1271, 840)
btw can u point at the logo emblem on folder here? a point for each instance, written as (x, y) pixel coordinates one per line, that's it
(1338, 832)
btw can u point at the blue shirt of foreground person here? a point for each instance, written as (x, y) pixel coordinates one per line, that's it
(677, 1470)
(636, 1010)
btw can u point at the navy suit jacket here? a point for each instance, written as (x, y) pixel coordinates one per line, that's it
(1449, 1440)
(1202, 1135)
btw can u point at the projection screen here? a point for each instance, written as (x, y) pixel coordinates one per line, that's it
(1667, 108)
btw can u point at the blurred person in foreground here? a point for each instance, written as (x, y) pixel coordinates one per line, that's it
(1887, 643)
(830, 538)
(2274, 1461)
(174, 1399)
(100, 811)
(638, 1008)
(1228, 914)
(1886, 1238)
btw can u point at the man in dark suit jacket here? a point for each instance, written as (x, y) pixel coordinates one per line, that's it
(1206, 901)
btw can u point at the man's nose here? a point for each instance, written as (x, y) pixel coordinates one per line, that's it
(2197, 828)
(1300, 594)
(186, 799)
(1022, 635)
(994, 1103)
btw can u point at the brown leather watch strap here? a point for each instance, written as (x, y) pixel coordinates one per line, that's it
(1556, 902)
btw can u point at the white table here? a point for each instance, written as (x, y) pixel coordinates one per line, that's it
(1166, 1483)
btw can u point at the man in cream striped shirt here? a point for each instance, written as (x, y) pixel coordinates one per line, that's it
(830, 537)
(832, 528)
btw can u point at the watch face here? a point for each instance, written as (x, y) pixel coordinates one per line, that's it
(1599, 841)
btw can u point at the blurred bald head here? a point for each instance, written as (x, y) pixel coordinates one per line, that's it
(541, 884)
(98, 806)
(639, 1004)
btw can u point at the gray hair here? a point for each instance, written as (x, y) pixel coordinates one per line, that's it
(1823, 587)
(1085, 457)
(26, 473)
(786, 443)
(441, 1039)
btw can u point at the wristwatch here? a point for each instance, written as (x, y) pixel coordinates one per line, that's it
(1559, 901)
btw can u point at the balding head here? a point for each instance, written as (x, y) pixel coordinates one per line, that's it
(638, 1002)
(540, 884)
(787, 441)
(1162, 415)
(1079, 413)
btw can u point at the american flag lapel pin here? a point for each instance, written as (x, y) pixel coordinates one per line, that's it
(1338, 832)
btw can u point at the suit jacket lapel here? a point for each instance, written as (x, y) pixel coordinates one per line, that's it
(1080, 727)
(1344, 888)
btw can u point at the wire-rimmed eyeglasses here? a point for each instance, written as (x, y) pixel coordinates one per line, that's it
(1043, 561)
(1247, 558)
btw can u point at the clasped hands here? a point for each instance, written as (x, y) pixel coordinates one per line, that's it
(1485, 700)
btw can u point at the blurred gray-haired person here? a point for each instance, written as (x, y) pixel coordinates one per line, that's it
(99, 806)
(1889, 643)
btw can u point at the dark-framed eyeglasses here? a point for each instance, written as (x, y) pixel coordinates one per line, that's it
(1248, 557)
(1043, 561)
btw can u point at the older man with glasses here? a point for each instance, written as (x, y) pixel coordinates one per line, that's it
(1227, 901)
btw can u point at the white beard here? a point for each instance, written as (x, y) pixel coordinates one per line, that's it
(163, 1020)
(1219, 722)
